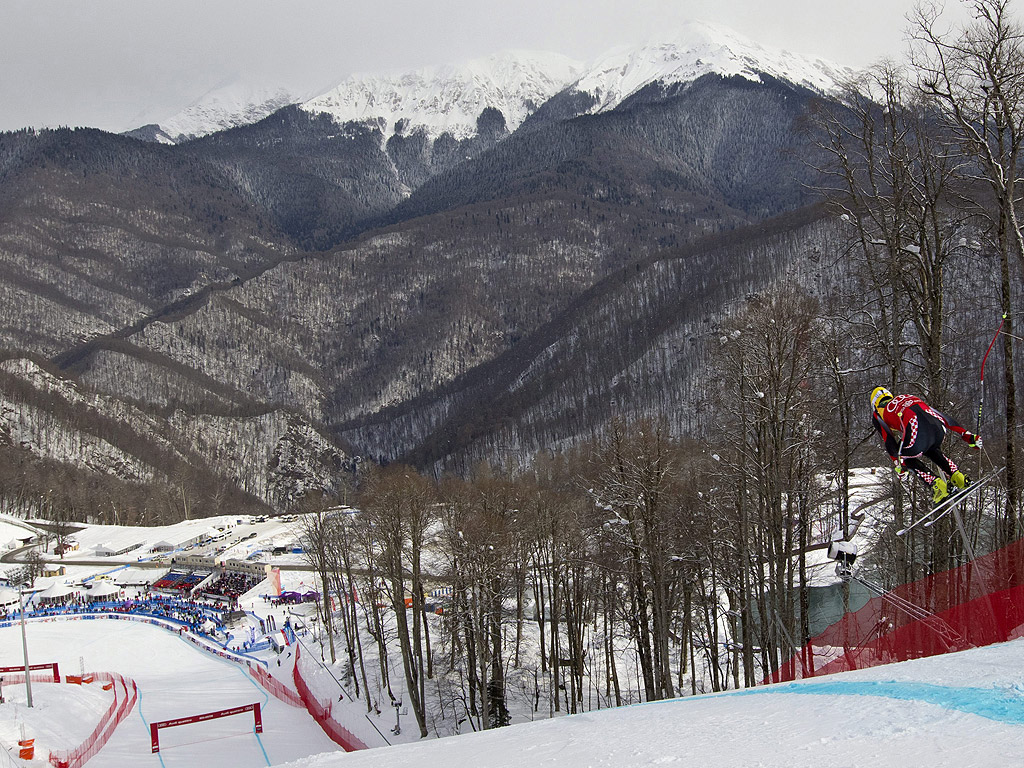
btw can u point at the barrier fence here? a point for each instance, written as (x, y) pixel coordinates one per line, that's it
(125, 695)
(154, 728)
(53, 676)
(320, 709)
(977, 604)
(275, 686)
(16, 678)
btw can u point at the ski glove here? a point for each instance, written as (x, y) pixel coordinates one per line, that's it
(973, 441)
(898, 467)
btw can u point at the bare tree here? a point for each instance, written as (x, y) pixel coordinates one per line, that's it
(398, 503)
(770, 358)
(316, 529)
(975, 77)
(637, 485)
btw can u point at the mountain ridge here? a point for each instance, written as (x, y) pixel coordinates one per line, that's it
(449, 98)
(305, 291)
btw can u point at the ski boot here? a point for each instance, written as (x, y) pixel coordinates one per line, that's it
(939, 490)
(960, 480)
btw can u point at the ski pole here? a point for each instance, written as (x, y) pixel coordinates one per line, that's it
(981, 394)
(981, 399)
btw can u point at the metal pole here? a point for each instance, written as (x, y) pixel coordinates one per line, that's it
(963, 534)
(24, 644)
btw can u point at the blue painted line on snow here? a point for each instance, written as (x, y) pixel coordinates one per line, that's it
(138, 703)
(266, 700)
(1004, 705)
(260, 742)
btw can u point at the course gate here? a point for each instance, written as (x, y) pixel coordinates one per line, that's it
(154, 728)
(54, 669)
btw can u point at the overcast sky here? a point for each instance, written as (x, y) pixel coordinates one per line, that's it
(117, 64)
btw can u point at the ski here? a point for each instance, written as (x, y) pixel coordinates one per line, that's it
(949, 504)
(943, 508)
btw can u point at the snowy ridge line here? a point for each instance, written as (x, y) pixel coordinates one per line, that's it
(17, 521)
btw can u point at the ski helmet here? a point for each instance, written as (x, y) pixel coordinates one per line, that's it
(880, 396)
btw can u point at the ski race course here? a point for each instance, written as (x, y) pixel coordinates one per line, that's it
(962, 709)
(174, 679)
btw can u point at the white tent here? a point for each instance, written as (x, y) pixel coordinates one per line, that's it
(8, 597)
(56, 591)
(102, 589)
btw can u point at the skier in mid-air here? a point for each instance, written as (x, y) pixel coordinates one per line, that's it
(910, 429)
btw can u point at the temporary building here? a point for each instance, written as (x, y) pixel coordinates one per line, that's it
(55, 592)
(103, 590)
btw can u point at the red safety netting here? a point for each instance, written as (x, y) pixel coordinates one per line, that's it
(321, 711)
(50, 672)
(125, 695)
(16, 678)
(977, 604)
(275, 686)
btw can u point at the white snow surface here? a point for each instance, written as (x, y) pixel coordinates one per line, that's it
(174, 678)
(450, 98)
(699, 48)
(918, 713)
(957, 710)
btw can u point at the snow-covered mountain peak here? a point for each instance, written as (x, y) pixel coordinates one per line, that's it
(450, 98)
(229, 105)
(695, 49)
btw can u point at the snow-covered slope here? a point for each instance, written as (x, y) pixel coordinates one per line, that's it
(696, 49)
(228, 106)
(951, 711)
(450, 98)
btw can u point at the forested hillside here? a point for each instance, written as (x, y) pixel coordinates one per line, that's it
(310, 292)
(374, 290)
(615, 365)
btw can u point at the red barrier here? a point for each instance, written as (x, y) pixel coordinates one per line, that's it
(321, 712)
(15, 678)
(124, 701)
(154, 728)
(275, 686)
(52, 666)
(977, 604)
